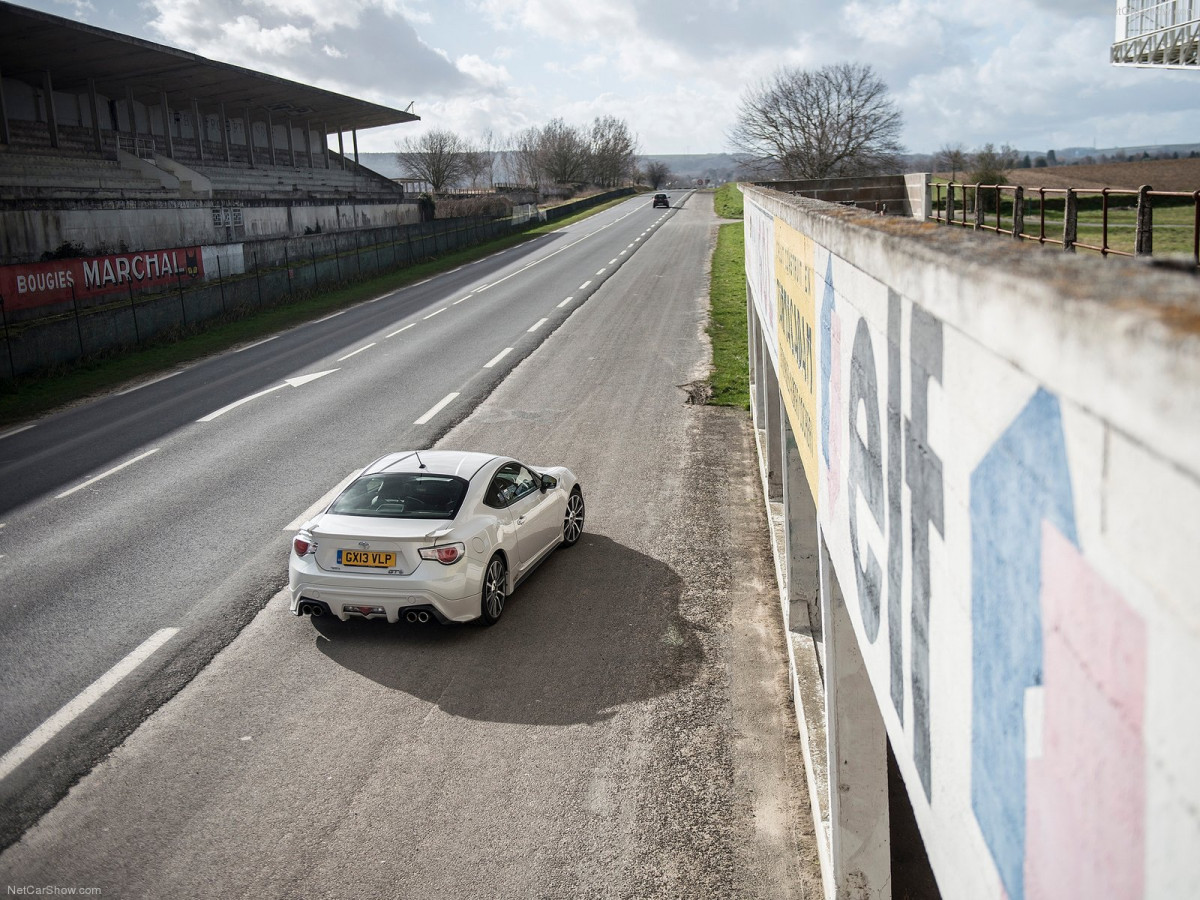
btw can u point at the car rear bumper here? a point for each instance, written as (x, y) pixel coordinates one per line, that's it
(451, 598)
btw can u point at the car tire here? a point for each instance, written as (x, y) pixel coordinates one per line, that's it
(573, 520)
(492, 596)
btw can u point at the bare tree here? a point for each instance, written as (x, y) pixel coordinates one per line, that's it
(481, 162)
(952, 158)
(656, 174)
(525, 159)
(991, 166)
(564, 152)
(440, 157)
(613, 151)
(835, 121)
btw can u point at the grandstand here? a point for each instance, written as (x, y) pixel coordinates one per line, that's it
(110, 141)
(1157, 34)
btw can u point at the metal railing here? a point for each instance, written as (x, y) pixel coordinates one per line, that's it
(1020, 213)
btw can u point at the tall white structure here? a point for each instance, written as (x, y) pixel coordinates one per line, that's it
(1158, 34)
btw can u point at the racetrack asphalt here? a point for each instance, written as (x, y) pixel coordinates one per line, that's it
(624, 731)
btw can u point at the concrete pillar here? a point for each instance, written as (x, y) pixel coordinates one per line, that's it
(751, 336)
(200, 126)
(131, 111)
(224, 125)
(51, 115)
(291, 145)
(270, 138)
(94, 103)
(801, 555)
(166, 114)
(774, 428)
(354, 137)
(325, 143)
(308, 143)
(5, 134)
(341, 149)
(858, 781)
(249, 135)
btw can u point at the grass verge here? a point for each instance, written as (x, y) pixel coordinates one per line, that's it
(727, 202)
(727, 318)
(33, 395)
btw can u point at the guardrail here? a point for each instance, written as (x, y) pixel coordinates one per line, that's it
(1024, 214)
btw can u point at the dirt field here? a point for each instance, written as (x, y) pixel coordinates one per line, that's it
(1160, 174)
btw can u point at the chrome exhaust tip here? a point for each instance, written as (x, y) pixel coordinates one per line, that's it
(422, 617)
(411, 616)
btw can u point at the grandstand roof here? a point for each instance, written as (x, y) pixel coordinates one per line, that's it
(33, 42)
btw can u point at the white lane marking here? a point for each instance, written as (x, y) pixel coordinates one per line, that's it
(585, 284)
(398, 330)
(325, 500)
(486, 286)
(113, 471)
(340, 312)
(435, 312)
(630, 247)
(359, 350)
(256, 344)
(45, 732)
(536, 325)
(138, 387)
(13, 431)
(495, 359)
(602, 271)
(623, 252)
(614, 260)
(564, 303)
(293, 382)
(461, 299)
(438, 407)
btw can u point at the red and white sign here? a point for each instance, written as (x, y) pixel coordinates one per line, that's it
(42, 284)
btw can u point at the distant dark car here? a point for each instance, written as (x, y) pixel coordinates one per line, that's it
(661, 200)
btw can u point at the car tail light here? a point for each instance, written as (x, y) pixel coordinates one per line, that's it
(303, 545)
(446, 554)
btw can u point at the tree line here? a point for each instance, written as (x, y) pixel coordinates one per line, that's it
(557, 153)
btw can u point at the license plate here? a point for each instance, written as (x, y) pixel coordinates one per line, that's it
(369, 558)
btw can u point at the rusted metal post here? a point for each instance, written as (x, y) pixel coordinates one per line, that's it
(1144, 238)
(950, 204)
(1018, 211)
(1070, 221)
(978, 209)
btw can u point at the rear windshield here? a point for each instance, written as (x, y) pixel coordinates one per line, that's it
(402, 495)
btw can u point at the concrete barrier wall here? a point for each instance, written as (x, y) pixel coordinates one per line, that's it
(1002, 445)
(30, 228)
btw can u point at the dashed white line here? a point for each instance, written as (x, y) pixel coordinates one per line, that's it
(112, 471)
(356, 352)
(630, 247)
(263, 341)
(499, 356)
(614, 260)
(436, 311)
(486, 286)
(585, 284)
(602, 271)
(438, 407)
(13, 431)
(138, 387)
(45, 732)
(340, 312)
(536, 325)
(565, 302)
(461, 299)
(398, 330)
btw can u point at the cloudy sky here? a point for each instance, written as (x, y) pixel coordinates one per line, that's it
(1031, 73)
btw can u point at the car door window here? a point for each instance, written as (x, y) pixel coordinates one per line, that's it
(510, 483)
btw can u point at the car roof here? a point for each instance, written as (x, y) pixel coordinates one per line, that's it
(461, 463)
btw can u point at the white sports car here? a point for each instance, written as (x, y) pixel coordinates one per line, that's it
(432, 534)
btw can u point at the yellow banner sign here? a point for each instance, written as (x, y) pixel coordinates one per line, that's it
(795, 303)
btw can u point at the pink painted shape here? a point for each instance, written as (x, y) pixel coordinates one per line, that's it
(1085, 802)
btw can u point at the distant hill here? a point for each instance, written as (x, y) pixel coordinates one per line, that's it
(716, 167)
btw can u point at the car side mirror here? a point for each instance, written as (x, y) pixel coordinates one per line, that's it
(548, 482)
